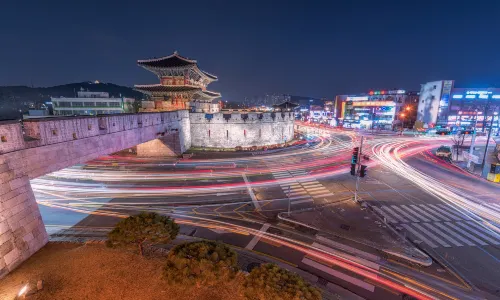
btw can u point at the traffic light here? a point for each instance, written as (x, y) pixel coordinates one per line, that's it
(362, 171)
(355, 155)
(353, 169)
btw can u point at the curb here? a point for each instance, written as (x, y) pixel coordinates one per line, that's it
(423, 262)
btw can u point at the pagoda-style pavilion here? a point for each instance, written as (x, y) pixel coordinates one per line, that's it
(181, 82)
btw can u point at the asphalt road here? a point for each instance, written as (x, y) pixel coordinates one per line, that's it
(237, 199)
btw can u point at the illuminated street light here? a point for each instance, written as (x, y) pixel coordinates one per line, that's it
(408, 108)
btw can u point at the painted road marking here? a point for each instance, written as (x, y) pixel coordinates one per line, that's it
(442, 234)
(424, 213)
(335, 273)
(454, 211)
(432, 235)
(257, 237)
(386, 216)
(409, 210)
(401, 211)
(470, 236)
(419, 236)
(323, 195)
(458, 236)
(394, 214)
(435, 213)
(440, 209)
(487, 233)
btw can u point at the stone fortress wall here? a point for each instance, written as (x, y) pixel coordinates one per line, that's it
(230, 130)
(51, 144)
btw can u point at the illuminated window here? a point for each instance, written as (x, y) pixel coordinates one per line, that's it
(4, 139)
(74, 136)
(54, 131)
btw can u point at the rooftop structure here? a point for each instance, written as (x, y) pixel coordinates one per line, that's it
(181, 82)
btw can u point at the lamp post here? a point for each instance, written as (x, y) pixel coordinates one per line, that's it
(402, 115)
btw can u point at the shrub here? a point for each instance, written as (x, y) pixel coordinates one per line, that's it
(143, 228)
(201, 263)
(272, 282)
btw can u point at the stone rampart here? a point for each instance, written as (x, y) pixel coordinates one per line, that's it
(52, 144)
(231, 130)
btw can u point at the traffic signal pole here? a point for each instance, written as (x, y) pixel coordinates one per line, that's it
(358, 169)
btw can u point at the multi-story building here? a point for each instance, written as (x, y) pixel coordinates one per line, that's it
(442, 105)
(91, 103)
(377, 109)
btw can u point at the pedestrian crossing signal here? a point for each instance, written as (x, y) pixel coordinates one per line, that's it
(353, 169)
(362, 171)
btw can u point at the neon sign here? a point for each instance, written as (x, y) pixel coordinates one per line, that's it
(495, 97)
(470, 96)
(478, 92)
(457, 96)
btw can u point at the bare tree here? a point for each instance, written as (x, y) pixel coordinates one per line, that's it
(458, 141)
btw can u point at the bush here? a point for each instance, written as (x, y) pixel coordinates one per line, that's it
(272, 282)
(201, 263)
(143, 228)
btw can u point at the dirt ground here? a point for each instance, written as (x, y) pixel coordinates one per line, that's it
(77, 271)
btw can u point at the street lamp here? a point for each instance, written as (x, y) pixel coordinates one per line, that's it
(402, 115)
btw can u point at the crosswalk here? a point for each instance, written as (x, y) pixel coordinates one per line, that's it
(439, 225)
(302, 190)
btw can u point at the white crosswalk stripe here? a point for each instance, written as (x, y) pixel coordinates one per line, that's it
(435, 213)
(438, 225)
(483, 232)
(456, 235)
(394, 214)
(419, 236)
(424, 213)
(404, 213)
(442, 234)
(432, 235)
(385, 215)
(416, 214)
(443, 211)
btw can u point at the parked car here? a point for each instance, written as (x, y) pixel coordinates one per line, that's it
(444, 152)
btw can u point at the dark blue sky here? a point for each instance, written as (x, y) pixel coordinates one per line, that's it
(308, 48)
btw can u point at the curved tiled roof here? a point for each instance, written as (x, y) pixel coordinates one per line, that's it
(166, 88)
(171, 61)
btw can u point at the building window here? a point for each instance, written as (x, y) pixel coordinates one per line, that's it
(54, 131)
(433, 97)
(74, 136)
(89, 126)
(77, 104)
(4, 139)
(227, 134)
(435, 87)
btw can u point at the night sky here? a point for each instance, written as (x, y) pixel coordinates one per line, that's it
(255, 47)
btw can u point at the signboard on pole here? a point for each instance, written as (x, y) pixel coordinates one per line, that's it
(473, 158)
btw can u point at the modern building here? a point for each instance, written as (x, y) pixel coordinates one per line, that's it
(92, 103)
(384, 109)
(442, 105)
(181, 83)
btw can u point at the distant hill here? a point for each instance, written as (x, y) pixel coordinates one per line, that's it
(15, 98)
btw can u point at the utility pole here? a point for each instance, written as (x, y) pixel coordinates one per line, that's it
(483, 173)
(472, 141)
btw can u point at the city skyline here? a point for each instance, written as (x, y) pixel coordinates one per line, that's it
(258, 49)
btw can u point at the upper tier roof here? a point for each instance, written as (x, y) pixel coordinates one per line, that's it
(166, 88)
(171, 61)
